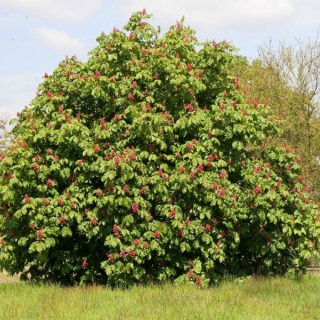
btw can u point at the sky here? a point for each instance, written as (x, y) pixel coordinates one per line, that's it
(35, 35)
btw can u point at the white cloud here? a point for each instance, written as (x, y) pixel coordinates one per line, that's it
(16, 91)
(220, 15)
(59, 41)
(61, 10)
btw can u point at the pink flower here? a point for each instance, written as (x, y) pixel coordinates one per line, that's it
(190, 273)
(157, 234)
(115, 228)
(191, 175)
(172, 213)
(49, 183)
(96, 148)
(190, 107)
(117, 160)
(256, 190)
(200, 168)
(257, 169)
(182, 169)
(222, 174)
(136, 242)
(122, 254)
(125, 188)
(207, 228)
(60, 202)
(215, 186)
(26, 199)
(222, 106)
(198, 280)
(188, 67)
(45, 201)
(96, 74)
(117, 117)
(94, 222)
(102, 123)
(84, 264)
(135, 207)
(221, 192)
(130, 96)
(110, 257)
(143, 190)
(131, 253)
(62, 219)
(39, 234)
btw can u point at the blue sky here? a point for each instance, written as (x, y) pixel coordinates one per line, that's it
(35, 35)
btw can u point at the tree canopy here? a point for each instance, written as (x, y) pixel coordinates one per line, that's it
(146, 163)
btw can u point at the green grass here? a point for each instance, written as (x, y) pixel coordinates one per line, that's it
(277, 298)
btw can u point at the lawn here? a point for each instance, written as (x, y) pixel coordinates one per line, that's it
(274, 298)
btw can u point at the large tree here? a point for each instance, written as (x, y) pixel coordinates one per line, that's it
(146, 163)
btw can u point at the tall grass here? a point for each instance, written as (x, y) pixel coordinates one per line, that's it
(276, 298)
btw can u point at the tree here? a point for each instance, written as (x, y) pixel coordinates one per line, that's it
(5, 135)
(145, 164)
(288, 78)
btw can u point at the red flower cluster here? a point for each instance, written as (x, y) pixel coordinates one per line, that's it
(135, 207)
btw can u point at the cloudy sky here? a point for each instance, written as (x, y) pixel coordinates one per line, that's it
(35, 35)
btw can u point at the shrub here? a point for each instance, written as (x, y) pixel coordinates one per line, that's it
(146, 164)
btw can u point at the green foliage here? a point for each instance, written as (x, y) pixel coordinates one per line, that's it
(145, 164)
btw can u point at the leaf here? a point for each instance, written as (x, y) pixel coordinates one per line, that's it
(66, 232)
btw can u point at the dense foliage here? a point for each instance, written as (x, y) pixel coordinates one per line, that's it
(146, 164)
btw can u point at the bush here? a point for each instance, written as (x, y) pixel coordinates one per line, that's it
(145, 164)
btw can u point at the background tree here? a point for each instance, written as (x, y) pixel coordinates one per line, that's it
(5, 135)
(146, 164)
(288, 77)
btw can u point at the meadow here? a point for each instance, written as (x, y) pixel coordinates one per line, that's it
(271, 298)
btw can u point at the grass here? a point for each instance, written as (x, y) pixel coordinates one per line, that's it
(274, 298)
